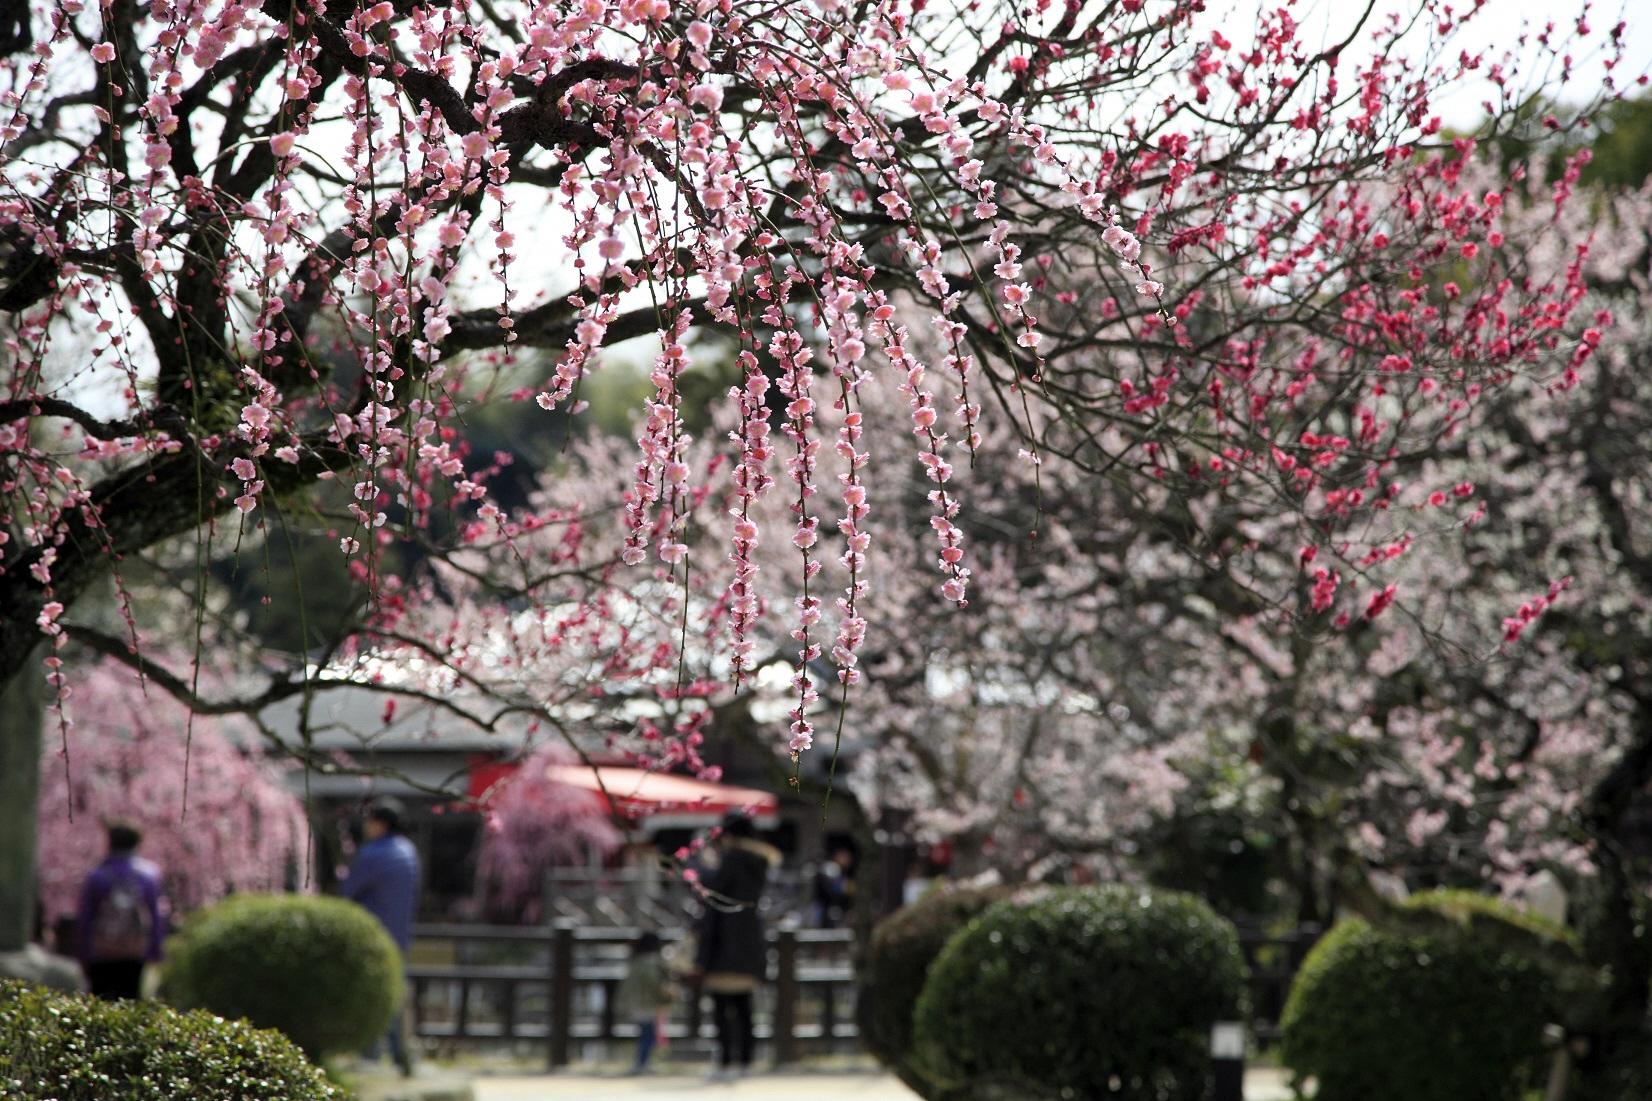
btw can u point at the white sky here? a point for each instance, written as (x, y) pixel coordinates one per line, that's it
(1495, 29)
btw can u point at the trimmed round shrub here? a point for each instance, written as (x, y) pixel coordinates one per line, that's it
(322, 970)
(64, 1047)
(1084, 992)
(1450, 1015)
(897, 962)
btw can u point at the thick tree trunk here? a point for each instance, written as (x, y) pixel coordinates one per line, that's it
(969, 856)
(22, 707)
(1616, 1061)
(1305, 860)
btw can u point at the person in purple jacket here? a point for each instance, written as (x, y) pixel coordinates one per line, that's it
(121, 919)
(384, 880)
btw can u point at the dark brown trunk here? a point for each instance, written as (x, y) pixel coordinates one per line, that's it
(1616, 1060)
(1616, 1063)
(22, 707)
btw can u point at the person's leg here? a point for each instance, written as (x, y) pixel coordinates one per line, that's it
(132, 979)
(397, 1037)
(97, 978)
(748, 1039)
(115, 979)
(392, 1039)
(722, 1008)
(647, 1036)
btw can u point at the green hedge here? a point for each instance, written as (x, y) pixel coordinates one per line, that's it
(322, 970)
(1453, 1015)
(64, 1047)
(1082, 993)
(897, 962)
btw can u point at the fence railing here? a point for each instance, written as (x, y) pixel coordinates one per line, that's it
(651, 896)
(555, 985)
(1274, 959)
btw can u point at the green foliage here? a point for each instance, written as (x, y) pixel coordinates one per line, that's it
(897, 962)
(1213, 849)
(1619, 137)
(322, 970)
(1623, 151)
(1449, 1015)
(295, 588)
(59, 1047)
(1082, 993)
(1473, 910)
(619, 392)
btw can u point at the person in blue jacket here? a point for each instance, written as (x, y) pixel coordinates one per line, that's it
(384, 880)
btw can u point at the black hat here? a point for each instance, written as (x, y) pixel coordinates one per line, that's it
(388, 811)
(124, 837)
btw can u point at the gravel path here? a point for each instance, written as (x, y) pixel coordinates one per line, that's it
(1260, 1085)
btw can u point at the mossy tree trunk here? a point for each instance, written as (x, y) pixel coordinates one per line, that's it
(22, 707)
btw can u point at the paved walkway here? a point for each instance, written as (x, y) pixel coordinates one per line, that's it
(675, 1087)
(1263, 1084)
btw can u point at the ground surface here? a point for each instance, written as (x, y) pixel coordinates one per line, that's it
(1262, 1084)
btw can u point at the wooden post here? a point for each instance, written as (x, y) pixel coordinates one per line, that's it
(828, 1016)
(511, 989)
(610, 987)
(896, 854)
(1305, 937)
(1227, 1061)
(785, 1000)
(562, 994)
(696, 1013)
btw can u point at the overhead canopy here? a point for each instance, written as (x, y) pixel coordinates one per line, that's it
(661, 800)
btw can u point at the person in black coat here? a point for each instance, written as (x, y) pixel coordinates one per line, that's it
(732, 956)
(833, 890)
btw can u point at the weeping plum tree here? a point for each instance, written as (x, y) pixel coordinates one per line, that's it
(1489, 727)
(536, 823)
(242, 830)
(260, 255)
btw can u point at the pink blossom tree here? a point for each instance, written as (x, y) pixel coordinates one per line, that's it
(1486, 726)
(534, 823)
(1003, 728)
(214, 813)
(1491, 758)
(1481, 730)
(261, 259)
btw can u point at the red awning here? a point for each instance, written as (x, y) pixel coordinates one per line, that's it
(661, 800)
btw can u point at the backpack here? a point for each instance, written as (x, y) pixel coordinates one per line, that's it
(122, 926)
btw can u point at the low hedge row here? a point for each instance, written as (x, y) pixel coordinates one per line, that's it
(1448, 1014)
(1062, 993)
(322, 970)
(68, 1047)
(1111, 992)
(896, 965)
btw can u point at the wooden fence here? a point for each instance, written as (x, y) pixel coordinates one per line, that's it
(652, 896)
(555, 985)
(1274, 959)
